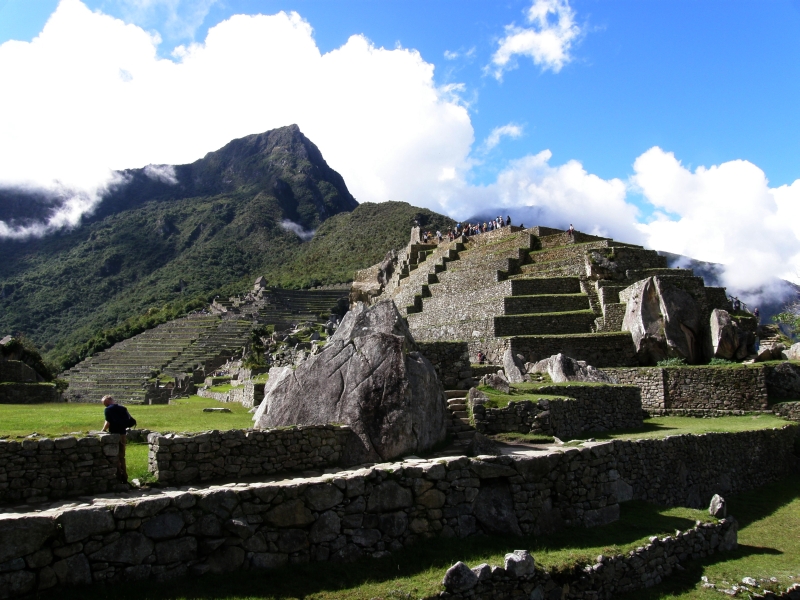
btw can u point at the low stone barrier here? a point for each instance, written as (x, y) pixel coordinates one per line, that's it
(787, 410)
(28, 393)
(237, 453)
(37, 470)
(218, 396)
(712, 388)
(366, 512)
(687, 470)
(608, 577)
(586, 408)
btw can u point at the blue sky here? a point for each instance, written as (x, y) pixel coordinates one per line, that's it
(651, 121)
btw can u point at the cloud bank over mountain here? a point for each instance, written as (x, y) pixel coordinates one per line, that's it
(91, 95)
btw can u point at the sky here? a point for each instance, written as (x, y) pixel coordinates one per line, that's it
(670, 124)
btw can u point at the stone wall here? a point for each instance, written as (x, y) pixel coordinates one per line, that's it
(372, 511)
(18, 372)
(250, 393)
(37, 470)
(608, 577)
(787, 410)
(586, 408)
(28, 393)
(451, 361)
(709, 388)
(783, 381)
(687, 470)
(608, 350)
(244, 452)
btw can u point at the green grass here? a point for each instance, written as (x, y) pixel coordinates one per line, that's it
(262, 378)
(769, 546)
(531, 438)
(136, 462)
(500, 400)
(417, 571)
(53, 420)
(221, 389)
(658, 427)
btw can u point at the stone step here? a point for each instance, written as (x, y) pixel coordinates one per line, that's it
(520, 305)
(461, 414)
(450, 394)
(532, 286)
(598, 349)
(466, 435)
(544, 324)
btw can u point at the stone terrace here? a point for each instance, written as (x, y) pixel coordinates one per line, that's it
(512, 286)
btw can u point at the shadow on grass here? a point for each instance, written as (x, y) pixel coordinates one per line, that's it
(421, 566)
(607, 435)
(681, 582)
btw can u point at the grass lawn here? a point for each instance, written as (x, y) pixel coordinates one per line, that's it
(658, 427)
(54, 420)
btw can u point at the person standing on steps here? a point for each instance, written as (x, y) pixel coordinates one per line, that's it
(508, 220)
(118, 420)
(571, 231)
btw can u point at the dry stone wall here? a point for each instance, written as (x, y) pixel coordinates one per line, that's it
(608, 577)
(451, 361)
(239, 453)
(787, 410)
(586, 408)
(28, 393)
(706, 388)
(371, 511)
(687, 470)
(608, 350)
(37, 470)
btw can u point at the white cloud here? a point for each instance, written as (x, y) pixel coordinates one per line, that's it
(297, 229)
(511, 130)
(92, 95)
(162, 173)
(547, 40)
(726, 214)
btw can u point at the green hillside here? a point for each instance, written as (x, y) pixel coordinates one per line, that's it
(172, 237)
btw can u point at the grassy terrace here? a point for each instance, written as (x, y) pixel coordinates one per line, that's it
(769, 546)
(55, 420)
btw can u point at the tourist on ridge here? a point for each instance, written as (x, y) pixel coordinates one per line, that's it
(439, 235)
(571, 231)
(481, 357)
(118, 419)
(508, 220)
(757, 315)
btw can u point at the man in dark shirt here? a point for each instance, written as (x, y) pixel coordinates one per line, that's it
(117, 421)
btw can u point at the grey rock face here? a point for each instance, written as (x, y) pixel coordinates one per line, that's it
(519, 564)
(724, 334)
(494, 509)
(514, 367)
(23, 536)
(664, 321)
(459, 578)
(369, 376)
(497, 381)
(476, 397)
(482, 445)
(793, 352)
(718, 508)
(562, 368)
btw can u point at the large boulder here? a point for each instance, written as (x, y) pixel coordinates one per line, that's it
(514, 366)
(664, 321)
(562, 368)
(369, 376)
(724, 334)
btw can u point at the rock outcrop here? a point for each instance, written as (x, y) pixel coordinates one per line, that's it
(728, 340)
(369, 376)
(514, 367)
(562, 368)
(664, 321)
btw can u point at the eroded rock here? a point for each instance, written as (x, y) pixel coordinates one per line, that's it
(562, 368)
(664, 321)
(371, 377)
(514, 367)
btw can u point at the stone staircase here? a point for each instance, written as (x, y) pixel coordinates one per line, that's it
(179, 347)
(459, 430)
(512, 287)
(124, 369)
